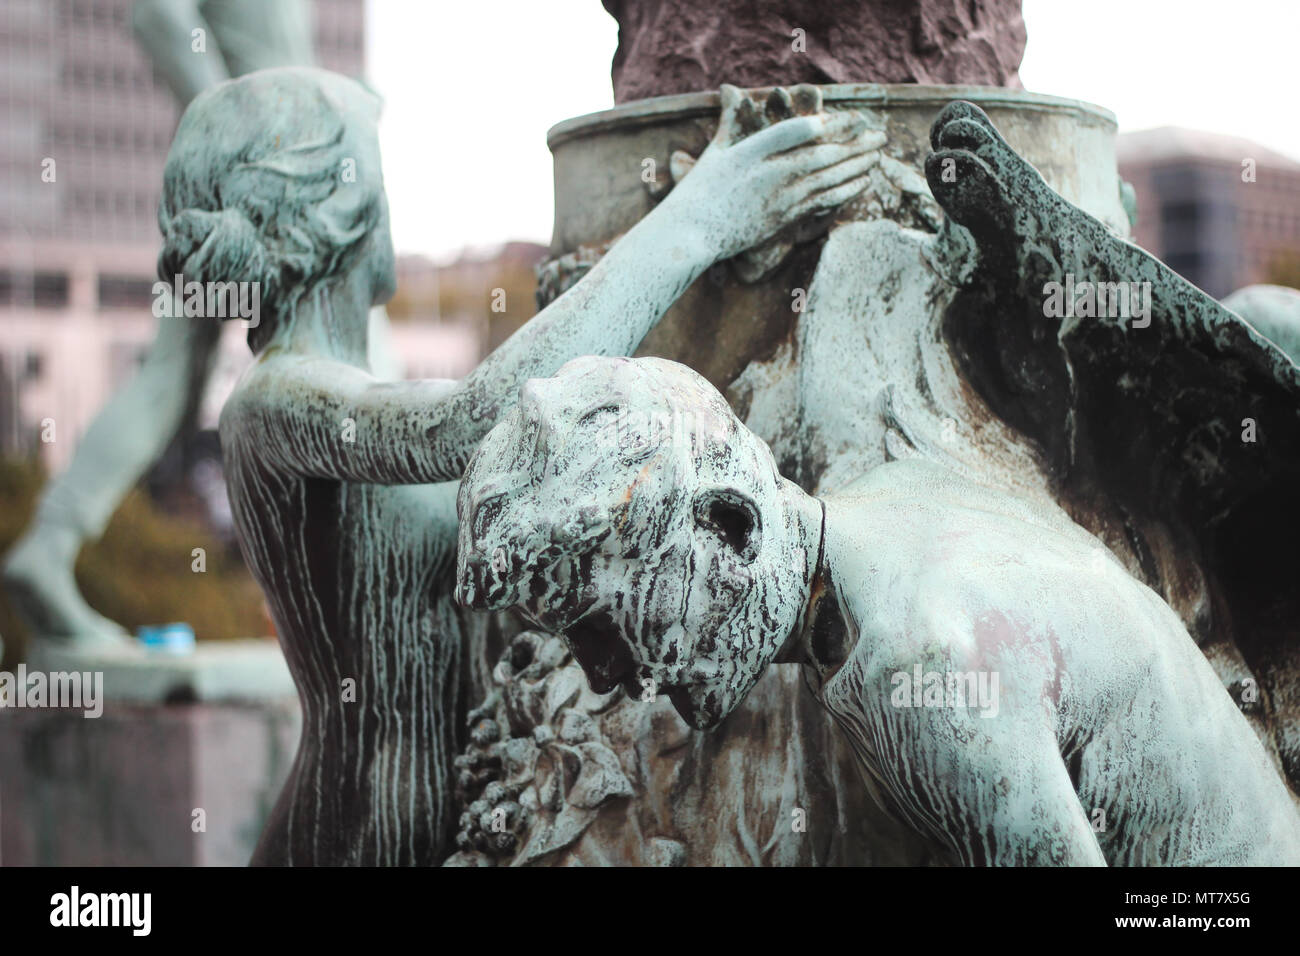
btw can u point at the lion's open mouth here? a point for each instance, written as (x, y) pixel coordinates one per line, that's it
(700, 710)
(600, 650)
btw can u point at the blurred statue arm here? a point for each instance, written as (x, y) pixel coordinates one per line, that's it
(165, 29)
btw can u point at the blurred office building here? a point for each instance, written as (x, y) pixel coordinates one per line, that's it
(1221, 211)
(85, 125)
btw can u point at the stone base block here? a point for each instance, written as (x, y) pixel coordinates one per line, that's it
(173, 785)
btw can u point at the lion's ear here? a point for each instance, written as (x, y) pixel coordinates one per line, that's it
(733, 518)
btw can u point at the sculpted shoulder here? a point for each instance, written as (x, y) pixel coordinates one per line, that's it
(255, 390)
(926, 561)
(880, 530)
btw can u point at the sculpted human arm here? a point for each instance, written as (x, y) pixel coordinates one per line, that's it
(997, 798)
(327, 419)
(736, 195)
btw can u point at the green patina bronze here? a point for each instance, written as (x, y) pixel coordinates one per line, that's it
(334, 474)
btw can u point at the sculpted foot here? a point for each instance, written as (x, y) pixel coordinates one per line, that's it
(1025, 231)
(1071, 305)
(38, 576)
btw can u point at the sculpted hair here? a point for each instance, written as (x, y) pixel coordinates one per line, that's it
(253, 188)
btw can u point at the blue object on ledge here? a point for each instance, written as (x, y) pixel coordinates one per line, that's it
(168, 638)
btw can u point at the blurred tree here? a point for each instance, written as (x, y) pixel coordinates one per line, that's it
(1285, 270)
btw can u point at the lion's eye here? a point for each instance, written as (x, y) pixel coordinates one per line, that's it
(486, 513)
(600, 416)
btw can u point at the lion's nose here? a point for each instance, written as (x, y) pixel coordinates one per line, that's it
(467, 594)
(481, 584)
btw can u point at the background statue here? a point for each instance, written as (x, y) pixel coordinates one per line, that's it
(1009, 690)
(331, 472)
(1274, 311)
(133, 429)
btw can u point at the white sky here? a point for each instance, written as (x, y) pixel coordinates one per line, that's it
(472, 86)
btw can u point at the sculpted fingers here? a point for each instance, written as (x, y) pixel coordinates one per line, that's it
(807, 98)
(780, 105)
(969, 190)
(828, 199)
(846, 126)
(802, 100)
(961, 112)
(784, 135)
(792, 133)
(813, 158)
(829, 177)
(731, 99)
(740, 119)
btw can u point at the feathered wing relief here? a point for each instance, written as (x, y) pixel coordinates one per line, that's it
(1157, 409)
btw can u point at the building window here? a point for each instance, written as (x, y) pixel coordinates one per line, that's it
(42, 290)
(1180, 215)
(125, 292)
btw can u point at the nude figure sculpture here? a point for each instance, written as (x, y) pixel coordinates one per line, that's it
(1009, 690)
(331, 472)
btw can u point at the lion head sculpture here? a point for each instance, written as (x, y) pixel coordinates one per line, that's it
(622, 505)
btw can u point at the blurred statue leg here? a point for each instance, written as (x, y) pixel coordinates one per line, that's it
(133, 429)
(123, 440)
(384, 360)
(261, 34)
(166, 31)
(246, 35)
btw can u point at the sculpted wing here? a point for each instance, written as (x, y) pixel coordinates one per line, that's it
(1182, 415)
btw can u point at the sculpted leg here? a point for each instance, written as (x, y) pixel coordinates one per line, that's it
(1042, 269)
(128, 434)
